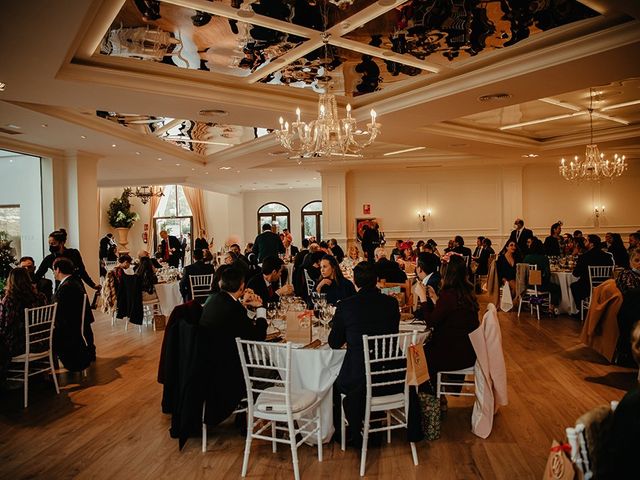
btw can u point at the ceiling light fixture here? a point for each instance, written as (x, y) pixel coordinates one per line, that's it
(328, 134)
(494, 97)
(530, 155)
(83, 136)
(594, 166)
(543, 120)
(406, 150)
(224, 168)
(113, 145)
(144, 193)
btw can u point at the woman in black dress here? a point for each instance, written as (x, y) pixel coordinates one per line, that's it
(506, 266)
(332, 282)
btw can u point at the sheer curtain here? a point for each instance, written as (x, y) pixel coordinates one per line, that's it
(196, 203)
(153, 206)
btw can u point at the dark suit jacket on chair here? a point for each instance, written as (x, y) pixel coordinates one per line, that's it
(68, 342)
(368, 312)
(197, 268)
(223, 319)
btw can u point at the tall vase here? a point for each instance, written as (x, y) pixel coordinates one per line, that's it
(123, 240)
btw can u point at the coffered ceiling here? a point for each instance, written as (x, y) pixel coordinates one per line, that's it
(188, 90)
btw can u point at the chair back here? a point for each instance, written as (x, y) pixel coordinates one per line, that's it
(201, 285)
(39, 324)
(309, 282)
(109, 265)
(261, 361)
(385, 360)
(529, 283)
(599, 274)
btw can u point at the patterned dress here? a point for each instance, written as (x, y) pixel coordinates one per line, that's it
(628, 280)
(12, 327)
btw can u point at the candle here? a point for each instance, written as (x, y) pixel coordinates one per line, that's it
(281, 122)
(348, 110)
(373, 116)
(298, 114)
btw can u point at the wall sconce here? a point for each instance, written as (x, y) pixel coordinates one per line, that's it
(423, 216)
(597, 211)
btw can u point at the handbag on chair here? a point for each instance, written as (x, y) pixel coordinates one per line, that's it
(430, 415)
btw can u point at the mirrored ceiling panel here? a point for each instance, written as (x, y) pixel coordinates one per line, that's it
(350, 73)
(185, 38)
(202, 138)
(442, 31)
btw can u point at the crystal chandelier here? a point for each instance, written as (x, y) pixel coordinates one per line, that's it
(144, 193)
(327, 135)
(594, 166)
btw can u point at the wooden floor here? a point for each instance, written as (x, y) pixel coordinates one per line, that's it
(109, 425)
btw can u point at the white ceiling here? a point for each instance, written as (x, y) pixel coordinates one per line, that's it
(54, 78)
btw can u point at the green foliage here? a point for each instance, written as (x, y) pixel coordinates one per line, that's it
(120, 214)
(7, 259)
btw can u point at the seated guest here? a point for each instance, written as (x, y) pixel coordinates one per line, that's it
(368, 312)
(397, 252)
(299, 257)
(453, 315)
(198, 267)
(506, 266)
(622, 443)
(353, 257)
(324, 247)
(154, 261)
(578, 246)
(310, 265)
(235, 248)
(483, 258)
(478, 250)
(431, 243)
(148, 279)
(248, 249)
(44, 285)
(406, 255)
(461, 249)
(70, 344)
(593, 256)
(628, 282)
(267, 285)
(537, 256)
(336, 250)
(577, 234)
(567, 244)
(634, 242)
(615, 247)
(428, 275)
(290, 250)
(112, 284)
(386, 269)
(225, 318)
(19, 293)
(553, 243)
(332, 282)
(450, 246)
(419, 248)
(629, 278)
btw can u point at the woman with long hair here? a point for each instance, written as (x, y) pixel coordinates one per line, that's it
(615, 246)
(453, 315)
(353, 257)
(148, 278)
(506, 266)
(19, 294)
(332, 282)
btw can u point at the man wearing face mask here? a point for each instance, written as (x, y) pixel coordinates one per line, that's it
(520, 235)
(44, 285)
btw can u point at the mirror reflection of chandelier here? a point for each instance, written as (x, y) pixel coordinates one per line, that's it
(144, 193)
(594, 166)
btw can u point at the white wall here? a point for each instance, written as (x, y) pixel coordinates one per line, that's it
(485, 201)
(20, 185)
(294, 199)
(224, 215)
(135, 234)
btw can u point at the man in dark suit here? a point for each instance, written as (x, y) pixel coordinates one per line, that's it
(386, 269)
(43, 285)
(458, 247)
(198, 267)
(106, 243)
(71, 344)
(225, 317)
(290, 250)
(370, 241)
(336, 250)
(267, 285)
(593, 256)
(428, 275)
(267, 244)
(170, 249)
(368, 312)
(520, 235)
(478, 251)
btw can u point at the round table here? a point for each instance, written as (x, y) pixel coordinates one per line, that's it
(169, 296)
(565, 279)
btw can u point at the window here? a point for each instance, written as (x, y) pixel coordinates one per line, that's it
(312, 220)
(173, 214)
(274, 213)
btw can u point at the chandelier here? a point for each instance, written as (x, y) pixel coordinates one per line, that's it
(144, 193)
(594, 166)
(327, 135)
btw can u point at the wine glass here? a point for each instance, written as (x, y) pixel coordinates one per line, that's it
(271, 312)
(326, 315)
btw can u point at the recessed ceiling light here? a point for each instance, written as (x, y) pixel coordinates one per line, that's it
(137, 153)
(290, 188)
(10, 161)
(224, 168)
(113, 145)
(83, 136)
(271, 169)
(193, 169)
(253, 189)
(406, 150)
(530, 155)
(215, 112)
(159, 158)
(44, 125)
(178, 164)
(206, 173)
(14, 126)
(237, 171)
(493, 97)
(315, 178)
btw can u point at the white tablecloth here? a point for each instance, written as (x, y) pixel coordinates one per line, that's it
(316, 370)
(169, 296)
(565, 279)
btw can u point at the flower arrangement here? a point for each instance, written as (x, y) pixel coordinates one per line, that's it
(120, 214)
(7, 258)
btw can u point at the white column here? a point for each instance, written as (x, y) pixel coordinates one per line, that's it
(334, 206)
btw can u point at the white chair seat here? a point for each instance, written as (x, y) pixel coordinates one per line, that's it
(32, 357)
(464, 371)
(270, 402)
(388, 401)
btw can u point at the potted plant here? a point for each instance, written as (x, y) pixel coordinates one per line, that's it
(122, 218)
(7, 258)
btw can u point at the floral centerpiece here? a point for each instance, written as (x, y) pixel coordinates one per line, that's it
(120, 214)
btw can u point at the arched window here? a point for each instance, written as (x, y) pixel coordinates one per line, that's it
(312, 220)
(274, 213)
(173, 214)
